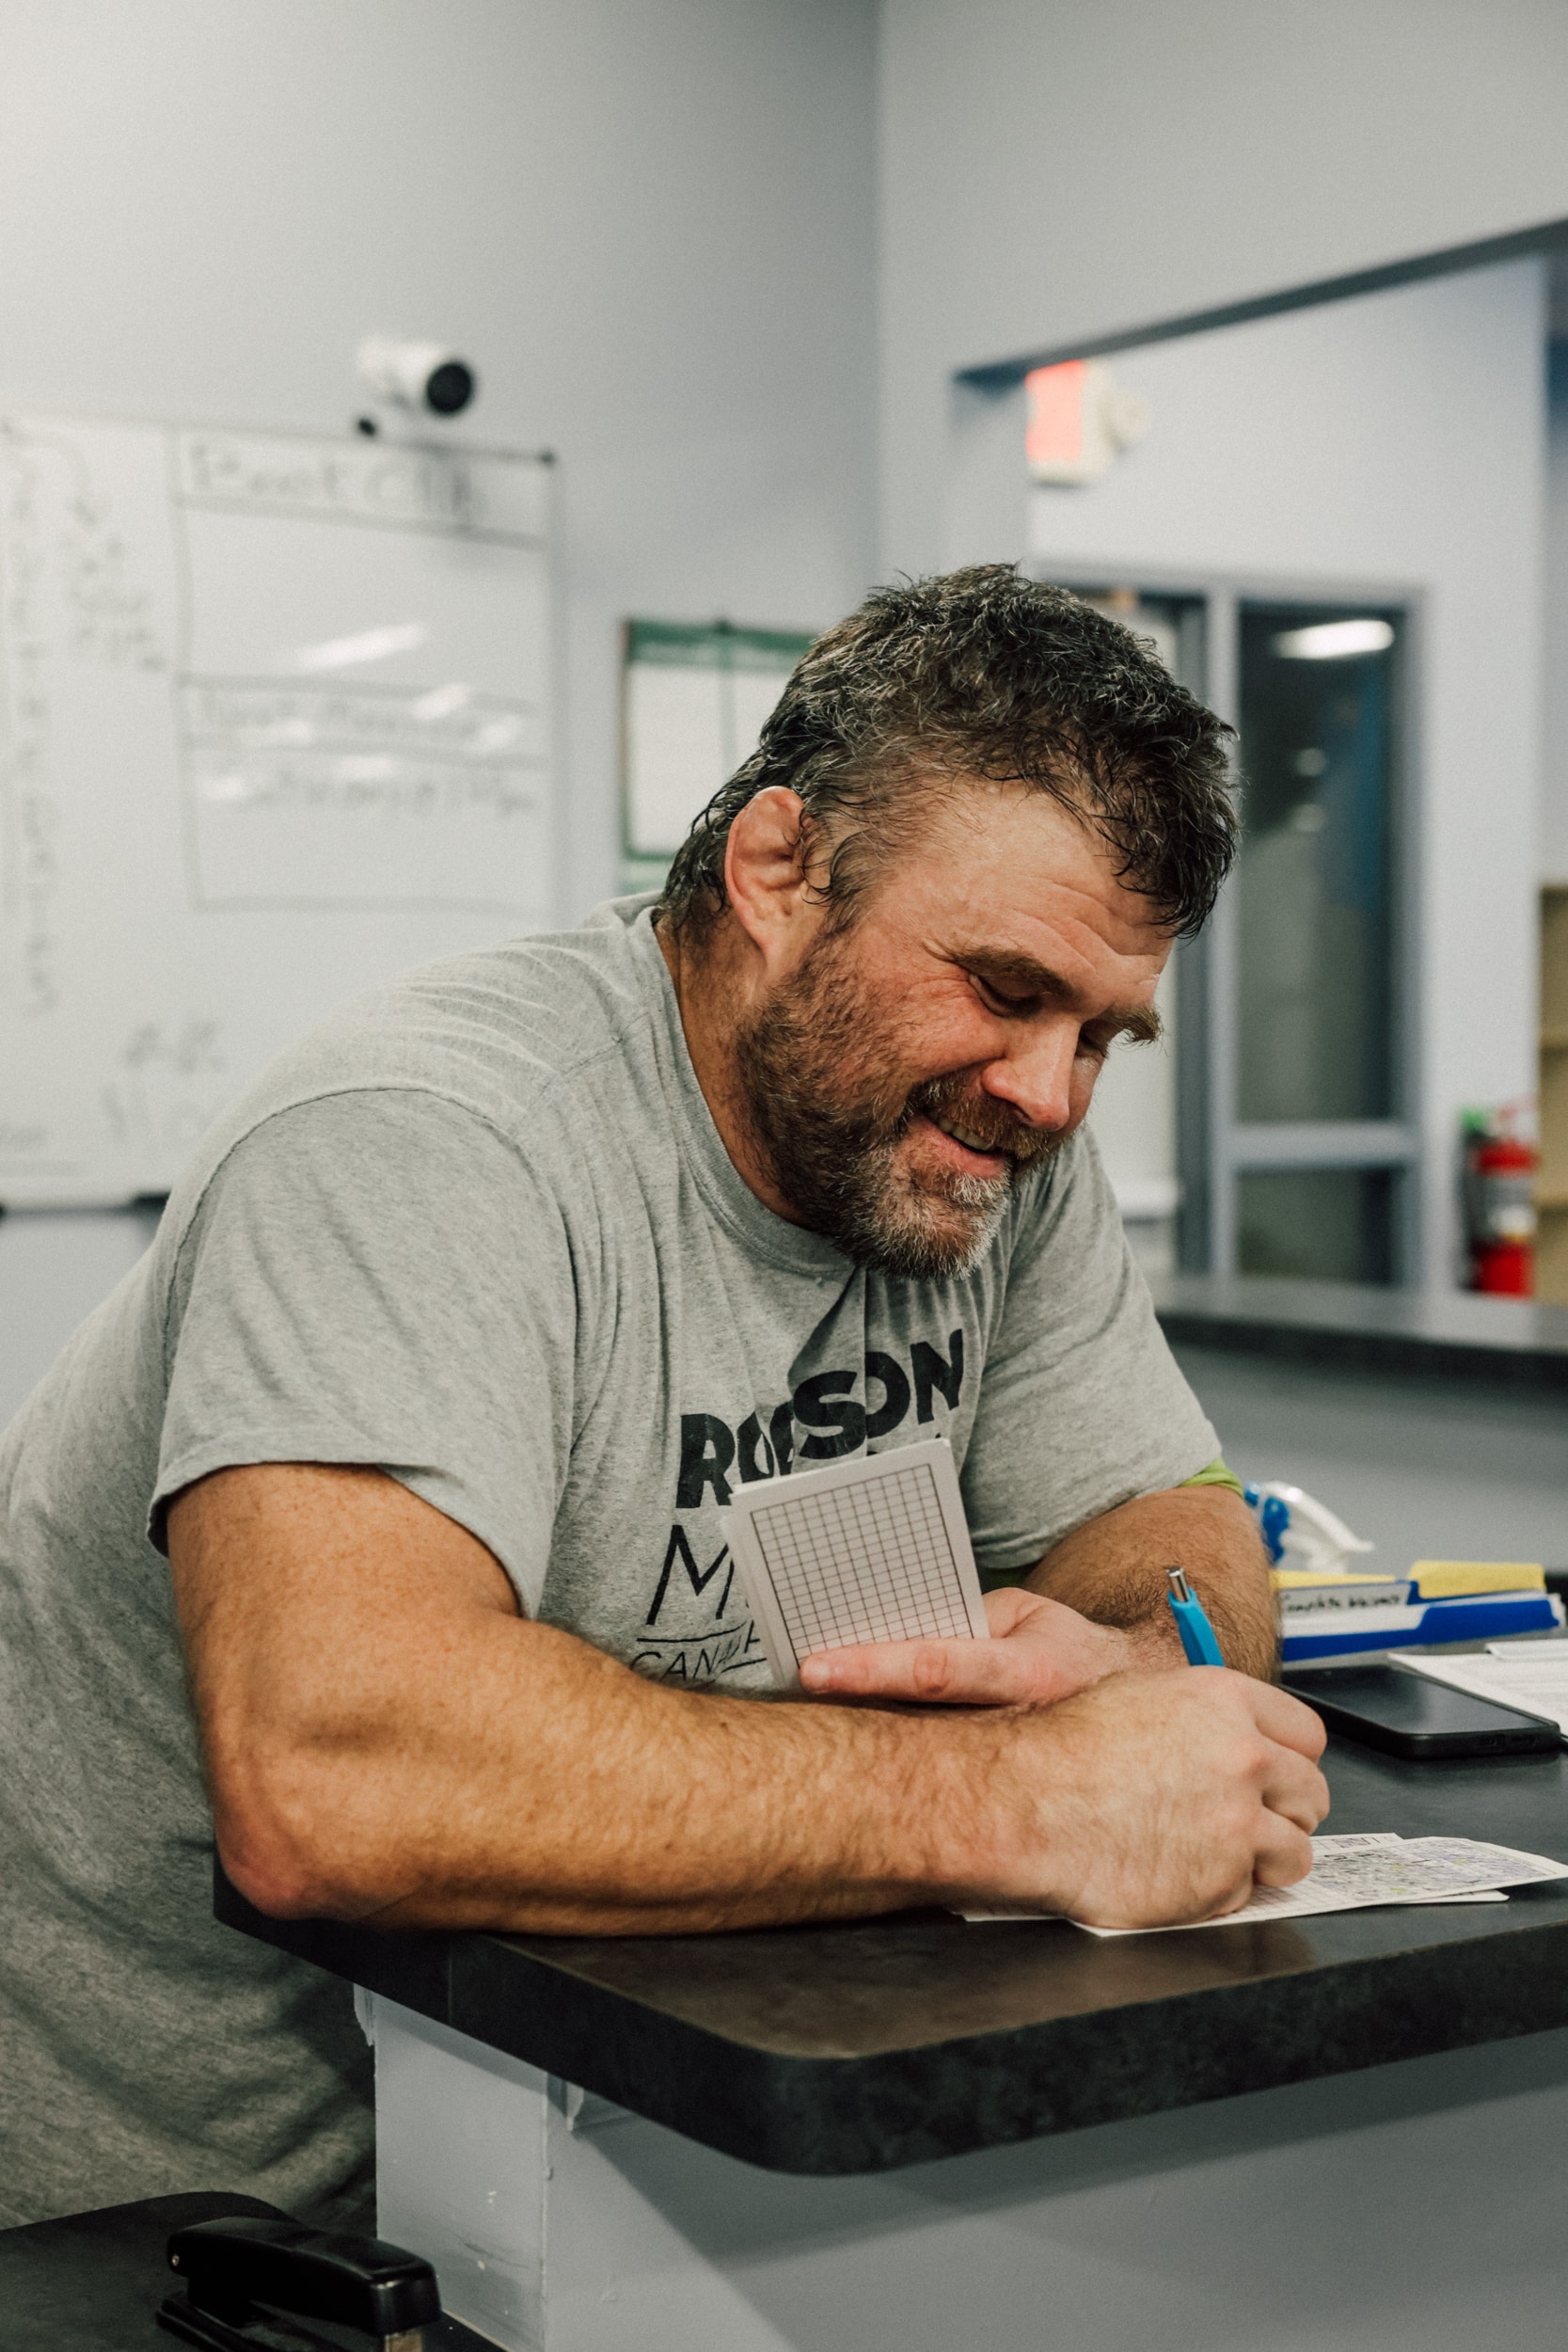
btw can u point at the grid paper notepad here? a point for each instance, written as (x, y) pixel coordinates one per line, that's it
(870, 1550)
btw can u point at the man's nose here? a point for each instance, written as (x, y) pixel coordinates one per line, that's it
(1035, 1076)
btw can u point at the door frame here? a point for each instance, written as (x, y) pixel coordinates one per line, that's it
(1213, 1148)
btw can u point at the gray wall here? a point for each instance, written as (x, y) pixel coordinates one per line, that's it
(652, 225)
(1053, 172)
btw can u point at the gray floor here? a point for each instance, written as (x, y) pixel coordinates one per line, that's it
(1425, 1470)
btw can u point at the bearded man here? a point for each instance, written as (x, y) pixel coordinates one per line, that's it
(372, 1524)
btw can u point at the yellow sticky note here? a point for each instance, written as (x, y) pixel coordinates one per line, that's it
(1293, 1579)
(1445, 1580)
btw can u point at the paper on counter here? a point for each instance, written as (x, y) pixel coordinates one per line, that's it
(1530, 1675)
(1361, 1871)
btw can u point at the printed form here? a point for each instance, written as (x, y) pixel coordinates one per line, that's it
(1361, 1872)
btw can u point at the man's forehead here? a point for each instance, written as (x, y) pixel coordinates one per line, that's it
(1013, 850)
(1029, 884)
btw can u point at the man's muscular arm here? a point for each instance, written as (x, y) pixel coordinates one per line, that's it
(1113, 1570)
(387, 1738)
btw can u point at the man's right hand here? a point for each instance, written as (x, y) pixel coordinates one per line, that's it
(1151, 1799)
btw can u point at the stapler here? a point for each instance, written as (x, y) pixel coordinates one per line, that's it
(248, 2284)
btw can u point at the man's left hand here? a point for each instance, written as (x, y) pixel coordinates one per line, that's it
(1039, 1651)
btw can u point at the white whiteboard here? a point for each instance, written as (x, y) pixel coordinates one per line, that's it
(274, 723)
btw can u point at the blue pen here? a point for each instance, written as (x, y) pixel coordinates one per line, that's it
(1197, 1634)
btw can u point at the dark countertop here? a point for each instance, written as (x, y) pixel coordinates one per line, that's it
(92, 2281)
(858, 2048)
(1452, 1333)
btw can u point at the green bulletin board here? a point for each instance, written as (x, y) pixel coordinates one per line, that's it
(693, 700)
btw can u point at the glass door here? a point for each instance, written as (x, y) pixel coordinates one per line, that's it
(1316, 1152)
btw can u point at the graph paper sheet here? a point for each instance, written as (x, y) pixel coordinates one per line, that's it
(871, 1551)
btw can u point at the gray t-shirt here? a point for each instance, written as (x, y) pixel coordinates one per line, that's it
(478, 1228)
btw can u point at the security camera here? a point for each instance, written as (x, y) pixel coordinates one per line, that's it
(428, 378)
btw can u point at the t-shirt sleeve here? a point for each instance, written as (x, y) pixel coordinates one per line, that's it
(1081, 1405)
(378, 1277)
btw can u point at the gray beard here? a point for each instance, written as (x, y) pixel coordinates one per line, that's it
(833, 1148)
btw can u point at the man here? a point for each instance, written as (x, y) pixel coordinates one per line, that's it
(467, 1322)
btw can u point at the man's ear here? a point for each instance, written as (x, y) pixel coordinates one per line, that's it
(767, 875)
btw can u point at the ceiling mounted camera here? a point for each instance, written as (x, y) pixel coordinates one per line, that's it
(426, 379)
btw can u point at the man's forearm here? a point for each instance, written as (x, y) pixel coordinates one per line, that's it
(569, 1795)
(1114, 1568)
(385, 1737)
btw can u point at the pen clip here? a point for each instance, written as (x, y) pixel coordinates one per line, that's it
(1198, 1639)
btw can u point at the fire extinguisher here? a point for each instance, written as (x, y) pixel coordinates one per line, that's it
(1499, 1167)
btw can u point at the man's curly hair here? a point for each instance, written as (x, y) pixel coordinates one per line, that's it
(980, 675)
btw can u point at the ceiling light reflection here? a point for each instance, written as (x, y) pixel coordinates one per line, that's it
(1333, 641)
